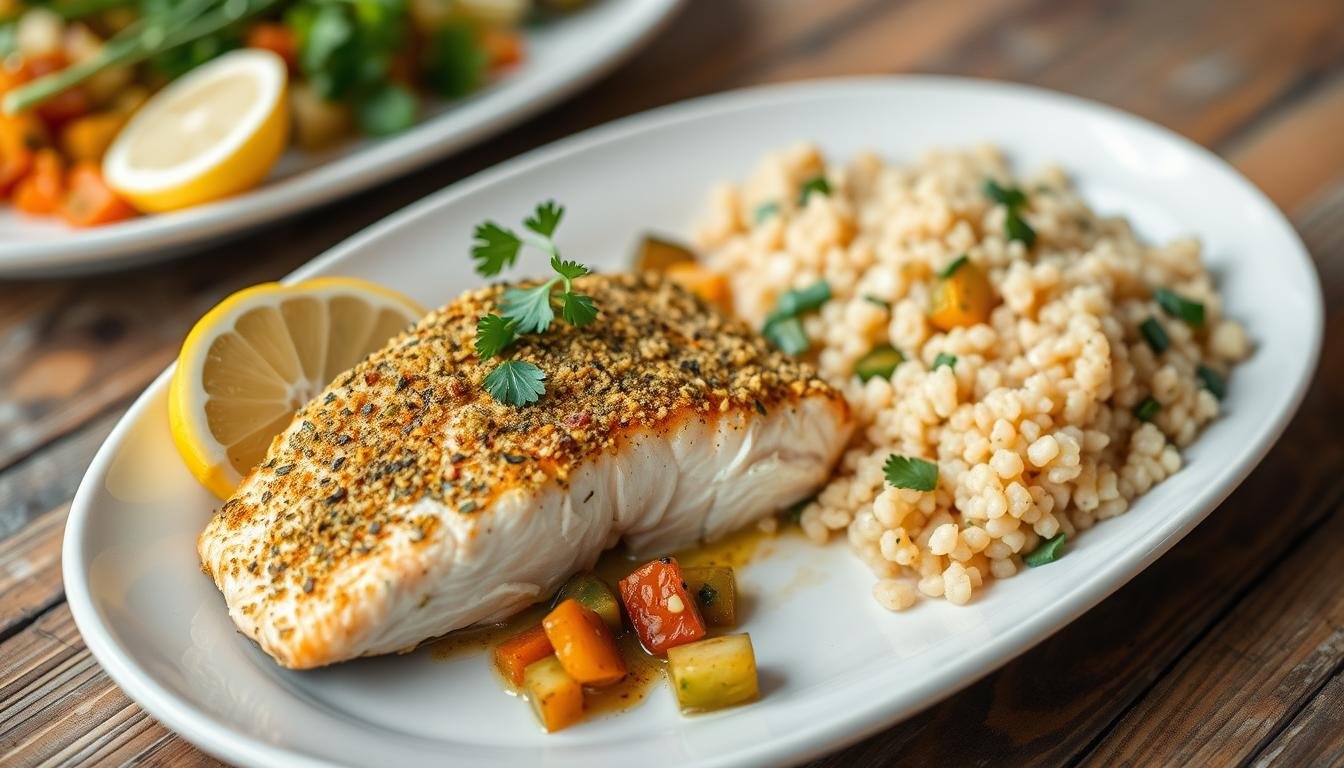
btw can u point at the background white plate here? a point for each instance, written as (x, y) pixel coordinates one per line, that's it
(834, 665)
(562, 57)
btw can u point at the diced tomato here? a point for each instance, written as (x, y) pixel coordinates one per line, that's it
(21, 136)
(527, 647)
(39, 193)
(89, 202)
(64, 106)
(662, 611)
(276, 38)
(502, 47)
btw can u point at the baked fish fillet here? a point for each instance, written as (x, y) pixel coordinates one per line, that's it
(404, 502)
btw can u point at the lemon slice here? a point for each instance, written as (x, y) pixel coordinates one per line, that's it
(211, 133)
(261, 354)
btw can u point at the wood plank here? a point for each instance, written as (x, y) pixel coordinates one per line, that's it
(30, 571)
(49, 478)
(1251, 674)
(1296, 153)
(1202, 67)
(57, 707)
(1050, 704)
(1316, 735)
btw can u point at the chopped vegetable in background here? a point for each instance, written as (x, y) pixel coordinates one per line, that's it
(879, 362)
(594, 594)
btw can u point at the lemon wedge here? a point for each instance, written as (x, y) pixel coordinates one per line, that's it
(213, 132)
(260, 355)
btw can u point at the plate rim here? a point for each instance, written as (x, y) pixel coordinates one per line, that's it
(118, 247)
(804, 743)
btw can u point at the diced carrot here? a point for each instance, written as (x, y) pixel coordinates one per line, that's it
(961, 297)
(40, 192)
(276, 38)
(660, 608)
(89, 202)
(502, 47)
(88, 137)
(527, 647)
(710, 286)
(13, 73)
(583, 644)
(20, 138)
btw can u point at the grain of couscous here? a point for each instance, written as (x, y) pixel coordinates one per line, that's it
(1052, 374)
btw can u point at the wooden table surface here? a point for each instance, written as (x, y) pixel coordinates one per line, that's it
(1228, 650)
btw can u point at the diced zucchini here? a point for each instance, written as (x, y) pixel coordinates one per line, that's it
(594, 594)
(880, 361)
(656, 255)
(713, 673)
(556, 697)
(715, 591)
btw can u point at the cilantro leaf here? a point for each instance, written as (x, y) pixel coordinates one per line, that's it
(493, 334)
(578, 309)
(495, 248)
(516, 382)
(911, 472)
(1047, 551)
(529, 308)
(568, 269)
(944, 359)
(545, 220)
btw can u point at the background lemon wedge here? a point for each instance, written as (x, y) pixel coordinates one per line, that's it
(211, 133)
(259, 355)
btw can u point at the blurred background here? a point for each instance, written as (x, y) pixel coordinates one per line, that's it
(1175, 676)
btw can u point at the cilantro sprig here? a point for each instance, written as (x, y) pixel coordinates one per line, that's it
(910, 472)
(525, 309)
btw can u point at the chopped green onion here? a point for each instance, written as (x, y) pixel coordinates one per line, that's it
(910, 472)
(787, 334)
(1018, 229)
(1176, 305)
(944, 359)
(815, 184)
(765, 211)
(871, 299)
(1008, 196)
(796, 302)
(953, 266)
(1155, 335)
(1047, 552)
(1212, 381)
(880, 361)
(1146, 410)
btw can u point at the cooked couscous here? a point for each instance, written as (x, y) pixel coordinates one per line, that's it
(1033, 364)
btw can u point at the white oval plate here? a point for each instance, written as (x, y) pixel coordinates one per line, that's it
(562, 57)
(834, 666)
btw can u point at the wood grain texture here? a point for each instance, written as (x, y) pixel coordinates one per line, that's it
(1180, 666)
(1316, 735)
(1249, 676)
(30, 571)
